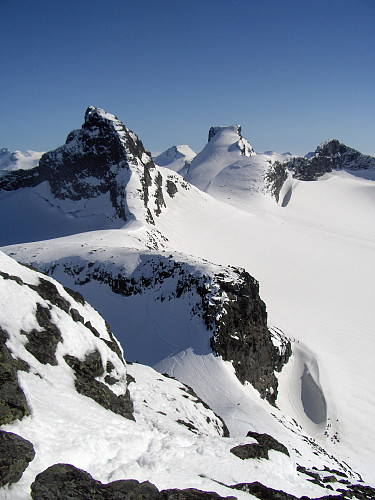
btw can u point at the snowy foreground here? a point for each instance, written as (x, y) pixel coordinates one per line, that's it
(158, 445)
(312, 254)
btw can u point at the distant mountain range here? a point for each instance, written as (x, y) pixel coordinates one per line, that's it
(245, 276)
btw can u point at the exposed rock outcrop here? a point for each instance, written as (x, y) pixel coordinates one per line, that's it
(13, 404)
(62, 481)
(98, 159)
(86, 372)
(328, 156)
(56, 313)
(15, 455)
(260, 449)
(241, 334)
(227, 300)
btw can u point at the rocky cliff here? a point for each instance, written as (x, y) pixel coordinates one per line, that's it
(103, 158)
(225, 299)
(328, 156)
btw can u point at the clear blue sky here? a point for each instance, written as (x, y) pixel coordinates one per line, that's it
(292, 72)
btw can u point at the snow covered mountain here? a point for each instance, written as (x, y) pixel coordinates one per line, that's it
(101, 178)
(170, 272)
(16, 160)
(176, 158)
(229, 169)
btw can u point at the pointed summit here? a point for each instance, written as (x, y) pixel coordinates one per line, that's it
(101, 177)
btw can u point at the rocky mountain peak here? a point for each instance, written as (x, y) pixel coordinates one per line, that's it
(328, 156)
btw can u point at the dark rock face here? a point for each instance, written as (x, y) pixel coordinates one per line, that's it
(275, 178)
(191, 494)
(329, 156)
(62, 481)
(241, 336)
(13, 404)
(48, 291)
(94, 151)
(42, 343)
(86, 384)
(15, 455)
(239, 325)
(260, 449)
(263, 492)
(171, 188)
(268, 442)
(88, 164)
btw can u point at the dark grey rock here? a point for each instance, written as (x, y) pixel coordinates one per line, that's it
(7, 276)
(260, 449)
(113, 343)
(48, 291)
(192, 494)
(13, 404)
(265, 493)
(268, 442)
(309, 473)
(63, 481)
(189, 425)
(171, 188)
(246, 451)
(94, 151)
(76, 316)
(329, 156)
(276, 175)
(91, 328)
(15, 455)
(78, 297)
(86, 384)
(42, 343)
(159, 198)
(242, 336)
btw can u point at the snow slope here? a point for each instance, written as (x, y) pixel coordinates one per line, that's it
(171, 438)
(229, 169)
(176, 158)
(17, 160)
(312, 255)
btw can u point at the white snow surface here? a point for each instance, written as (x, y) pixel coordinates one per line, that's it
(176, 158)
(17, 160)
(157, 446)
(312, 254)
(315, 276)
